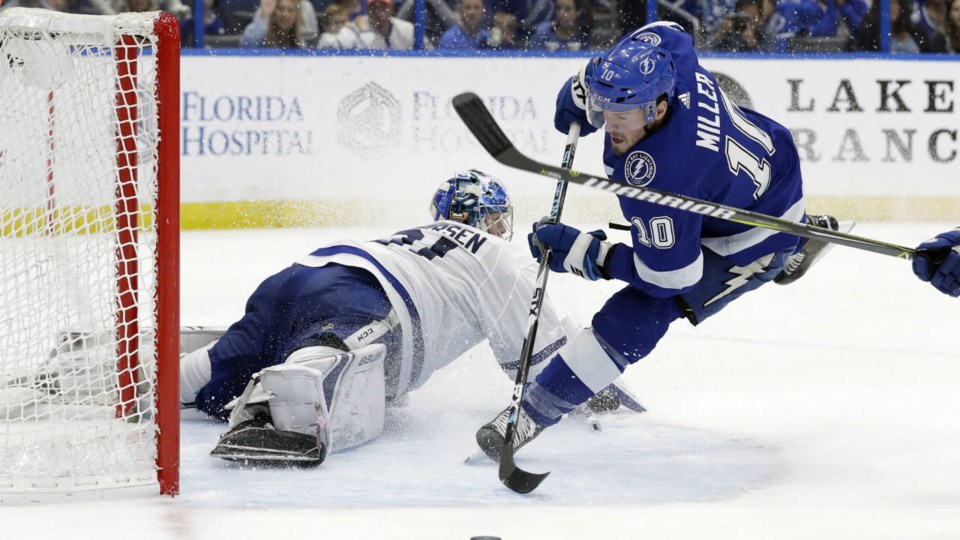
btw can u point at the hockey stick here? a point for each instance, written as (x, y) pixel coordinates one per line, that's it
(483, 126)
(512, 476)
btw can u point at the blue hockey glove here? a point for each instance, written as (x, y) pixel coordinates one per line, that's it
(939, 262)
(582, 254)
(572, 105)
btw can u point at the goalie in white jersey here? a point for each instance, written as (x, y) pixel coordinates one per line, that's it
(381, 316)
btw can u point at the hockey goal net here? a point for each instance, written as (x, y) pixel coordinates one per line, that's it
(89, 234)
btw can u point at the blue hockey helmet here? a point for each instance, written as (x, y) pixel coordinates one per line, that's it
(476, 199)
(633, 74)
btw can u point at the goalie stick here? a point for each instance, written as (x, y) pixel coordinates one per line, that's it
(483, 126)
(511, 475)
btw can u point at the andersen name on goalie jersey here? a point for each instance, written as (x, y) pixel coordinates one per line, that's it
(452, 287)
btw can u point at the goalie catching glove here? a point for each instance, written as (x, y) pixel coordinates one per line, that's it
(584, 254)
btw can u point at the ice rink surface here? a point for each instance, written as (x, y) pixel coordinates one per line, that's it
(826, 409)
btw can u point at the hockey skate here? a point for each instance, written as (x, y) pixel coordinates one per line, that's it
(257, 442)
(610, 399)
(812, 251)
(604, 402)
(491, 436)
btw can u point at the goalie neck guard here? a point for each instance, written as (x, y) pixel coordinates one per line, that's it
(475, 199)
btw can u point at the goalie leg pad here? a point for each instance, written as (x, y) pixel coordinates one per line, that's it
(281, 417)
(319, 358)
(357, 398)
(335, 397)
(297, 402)
(353, 393)
(352, 396)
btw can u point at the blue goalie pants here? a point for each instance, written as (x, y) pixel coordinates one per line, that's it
(298, 307)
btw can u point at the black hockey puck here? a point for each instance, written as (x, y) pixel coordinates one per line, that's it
(484, 538)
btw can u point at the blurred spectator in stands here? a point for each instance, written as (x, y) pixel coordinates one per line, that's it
(569, 30)
(469, 32)
(952, 27)
(309, 26)
(949, 40)
(744, 30)
(868, 38)
(382, 30)
(333, 20)
(177, 7)
(393, 32)
(439, 16)
(529, 13)
(929, 16)
(633, 14)
(903, 33)
(841, 18)
(712, 13)
(503, 33)
(137, 6)
(612, 19)
(213, 23)
(53, 5)
(378, 29)
(905, 36)
(277, 24)
(682, 12)
(838, 19)
(19, 3)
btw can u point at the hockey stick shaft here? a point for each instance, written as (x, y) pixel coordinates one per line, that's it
(511, 475)
(483, 126)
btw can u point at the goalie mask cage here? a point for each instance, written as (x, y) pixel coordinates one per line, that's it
(89, 254)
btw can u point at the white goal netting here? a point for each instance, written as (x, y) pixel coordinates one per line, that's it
(78, 251)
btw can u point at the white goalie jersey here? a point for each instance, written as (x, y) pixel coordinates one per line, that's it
(452, 286)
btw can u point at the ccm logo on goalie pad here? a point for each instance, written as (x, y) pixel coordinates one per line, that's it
(357, 406)
(366, 333)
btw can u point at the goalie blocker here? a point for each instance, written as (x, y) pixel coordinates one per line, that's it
(319, 400)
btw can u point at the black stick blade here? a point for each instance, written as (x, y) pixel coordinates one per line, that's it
(514, 477)
(481, 123)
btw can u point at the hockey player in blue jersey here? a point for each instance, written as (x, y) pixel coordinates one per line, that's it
(327, 342)
(668, 125)
(944, 274)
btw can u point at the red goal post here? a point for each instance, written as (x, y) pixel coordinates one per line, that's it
(89, 253)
